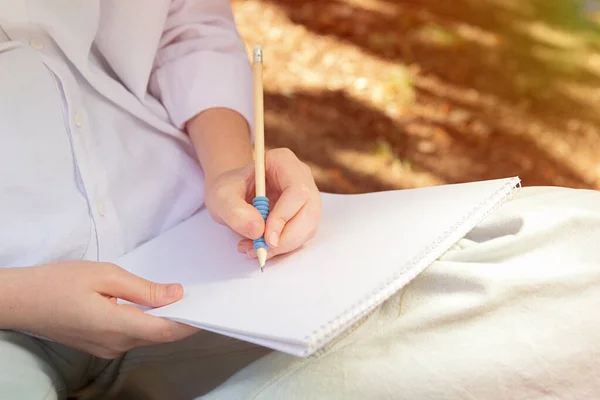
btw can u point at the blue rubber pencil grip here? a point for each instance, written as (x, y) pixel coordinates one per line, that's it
(261, 203)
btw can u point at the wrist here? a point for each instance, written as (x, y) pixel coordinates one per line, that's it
(221, 138)
(13, 284)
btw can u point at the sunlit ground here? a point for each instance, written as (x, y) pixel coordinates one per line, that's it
(382, 94)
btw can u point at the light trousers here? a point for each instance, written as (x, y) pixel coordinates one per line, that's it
(510, 312)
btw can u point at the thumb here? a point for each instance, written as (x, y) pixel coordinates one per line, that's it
(122, 284)
(231, 207)
(242, 217)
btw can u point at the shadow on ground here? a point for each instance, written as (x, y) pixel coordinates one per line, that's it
(318, 126)
(524, 77)
(532, 59)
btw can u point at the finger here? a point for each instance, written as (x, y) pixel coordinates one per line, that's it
(297, 232)
(284, 169)
(291, 201)
(119, 283)
(253, 254)
(245, 245)
(144, 329)
(296, 184)
(301, 228)
(110, 298)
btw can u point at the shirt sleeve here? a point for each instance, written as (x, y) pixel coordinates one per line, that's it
(202, 62)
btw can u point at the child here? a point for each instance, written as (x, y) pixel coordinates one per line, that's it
(118, 119)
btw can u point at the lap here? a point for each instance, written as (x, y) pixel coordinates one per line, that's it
(508, 312)
(35, 369)
(31, 368)
(184, 369)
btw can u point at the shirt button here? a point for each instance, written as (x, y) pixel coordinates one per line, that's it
(101, 209)
(36, 44)
(79, 120)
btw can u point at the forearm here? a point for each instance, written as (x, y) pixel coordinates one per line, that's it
(11, 287)
(221, 139)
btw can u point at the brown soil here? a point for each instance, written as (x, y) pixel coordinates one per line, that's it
(382, 94)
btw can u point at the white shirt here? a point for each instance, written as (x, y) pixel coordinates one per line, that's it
(93, 97)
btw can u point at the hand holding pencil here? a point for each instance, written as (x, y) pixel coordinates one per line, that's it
(277, 175)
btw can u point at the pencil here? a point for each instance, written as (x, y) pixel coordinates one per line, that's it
(259, 138)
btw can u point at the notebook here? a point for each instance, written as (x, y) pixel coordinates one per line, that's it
(368, 247)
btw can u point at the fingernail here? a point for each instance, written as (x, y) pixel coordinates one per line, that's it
(255, 230)
(274, 239)
(172, 290)
(251, 253)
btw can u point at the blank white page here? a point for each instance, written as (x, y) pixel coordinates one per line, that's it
(368, 246)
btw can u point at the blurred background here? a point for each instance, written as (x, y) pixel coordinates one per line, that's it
(391, 94)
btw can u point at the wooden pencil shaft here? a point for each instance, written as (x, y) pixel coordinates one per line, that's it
(259, 128)
(259, 138)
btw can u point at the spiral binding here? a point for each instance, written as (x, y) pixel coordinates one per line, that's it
(322, 338)
(261, 203)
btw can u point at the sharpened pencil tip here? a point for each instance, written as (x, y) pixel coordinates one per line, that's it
(262, 257)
